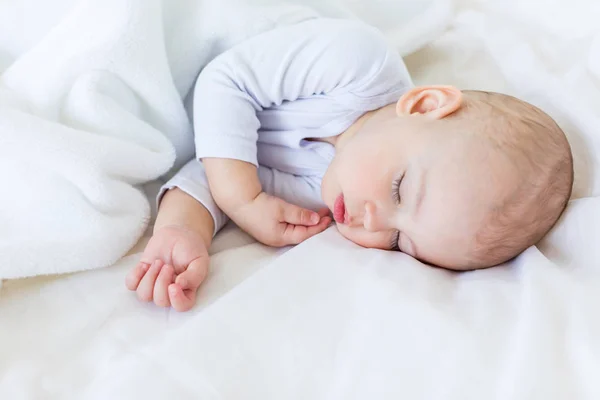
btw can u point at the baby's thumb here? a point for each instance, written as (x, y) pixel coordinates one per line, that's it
(182, 293)
(194, 275)
(298, 216)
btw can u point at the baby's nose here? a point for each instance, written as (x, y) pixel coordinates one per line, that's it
(371, 220)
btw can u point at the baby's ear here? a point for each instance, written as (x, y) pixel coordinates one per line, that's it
(435, 102)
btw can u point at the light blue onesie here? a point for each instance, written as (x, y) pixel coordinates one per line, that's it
(260, 101)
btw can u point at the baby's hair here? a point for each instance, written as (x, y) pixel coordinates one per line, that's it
(536, 146)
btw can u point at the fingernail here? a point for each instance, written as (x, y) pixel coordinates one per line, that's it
(173, 291)
(314, 218)
(145, 267)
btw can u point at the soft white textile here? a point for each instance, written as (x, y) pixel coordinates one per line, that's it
(91, 108)
(329, 320)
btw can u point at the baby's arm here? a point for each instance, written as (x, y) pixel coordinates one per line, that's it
(236, 188)
(187, 220)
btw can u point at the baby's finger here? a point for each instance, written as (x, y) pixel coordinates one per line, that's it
(145, 289)
(298, 216)
(324, 212)
(181, 300)
(164, 279)
(194, 274)
(295, 234)
(133, 278)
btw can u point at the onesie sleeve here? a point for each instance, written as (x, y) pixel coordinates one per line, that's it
(299, 190)
(346, 60)
(192, 180)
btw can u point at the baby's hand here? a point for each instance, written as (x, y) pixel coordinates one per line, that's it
(174, 264)
(274, 222)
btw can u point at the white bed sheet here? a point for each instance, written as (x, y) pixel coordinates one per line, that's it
(58, 333)
(330, 320)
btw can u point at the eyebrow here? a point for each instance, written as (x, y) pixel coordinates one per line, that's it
(420, 194)
(422, 188)
(417, 207)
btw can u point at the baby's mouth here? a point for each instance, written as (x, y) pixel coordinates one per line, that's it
(340, 215)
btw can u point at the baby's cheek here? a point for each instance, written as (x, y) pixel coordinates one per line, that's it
(360, 185)
(352, 172)
(364, 238)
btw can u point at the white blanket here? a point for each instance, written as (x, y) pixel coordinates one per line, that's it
(91, 109)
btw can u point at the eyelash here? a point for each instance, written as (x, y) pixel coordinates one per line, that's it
(394, 245)
(396, 189)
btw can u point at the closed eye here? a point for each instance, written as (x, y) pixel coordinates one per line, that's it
(395, 242)
(396, 189)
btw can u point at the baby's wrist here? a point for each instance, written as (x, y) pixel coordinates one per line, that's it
(180, 211)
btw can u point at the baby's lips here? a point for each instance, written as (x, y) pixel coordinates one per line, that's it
(339, 210)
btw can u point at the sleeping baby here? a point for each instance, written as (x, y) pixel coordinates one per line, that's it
(319, 121)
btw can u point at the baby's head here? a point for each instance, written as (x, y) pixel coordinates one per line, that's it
(461, 180)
